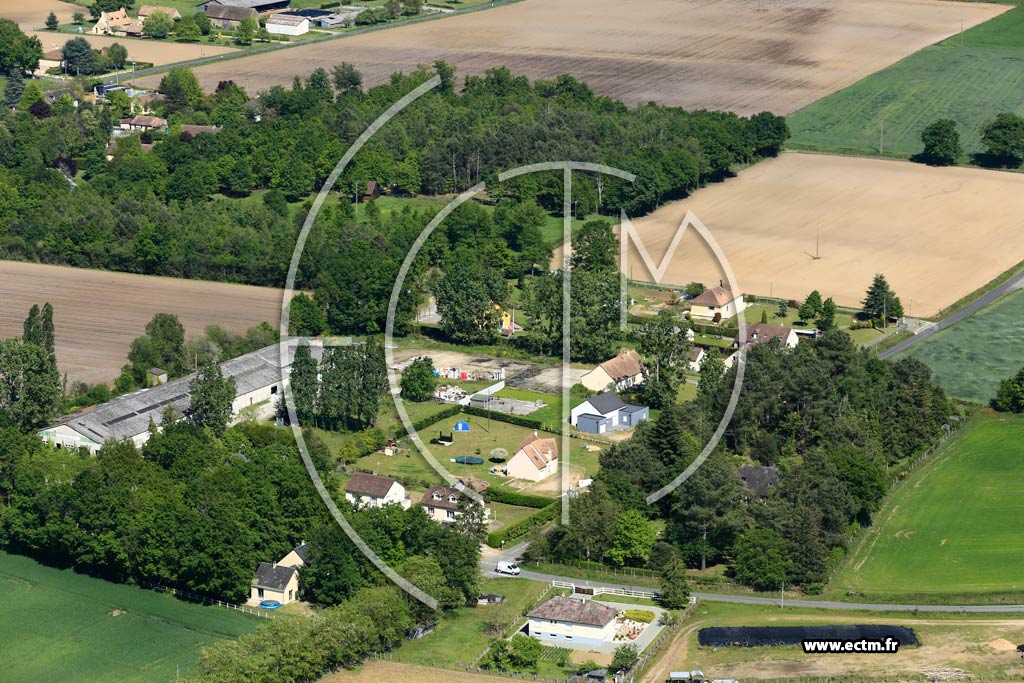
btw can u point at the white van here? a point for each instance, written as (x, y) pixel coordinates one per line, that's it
(507, 568)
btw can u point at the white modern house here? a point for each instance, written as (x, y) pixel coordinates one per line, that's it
(287, 25)
(369, 490)
(536, 459)
(258, 379)
(618, 374)
(607, 413)
(720, 302)
(572, 622)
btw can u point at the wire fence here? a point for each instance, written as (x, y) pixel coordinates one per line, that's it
(207, 600)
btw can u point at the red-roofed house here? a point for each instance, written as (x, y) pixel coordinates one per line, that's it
(536, 459)
(718, 301)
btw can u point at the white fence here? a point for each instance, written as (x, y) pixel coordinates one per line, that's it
(604, 590)
(195, 597)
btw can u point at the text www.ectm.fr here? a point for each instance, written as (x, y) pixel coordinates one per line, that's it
(888, 646)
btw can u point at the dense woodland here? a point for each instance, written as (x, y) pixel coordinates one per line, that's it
(231, 197)
(832, 418)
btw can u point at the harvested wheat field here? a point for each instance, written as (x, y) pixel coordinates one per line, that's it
(158, 52)
(97, 313)
(30, 14)
(937, 234)
(739, 55)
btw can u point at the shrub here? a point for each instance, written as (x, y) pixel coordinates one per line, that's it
(523, 526)
(642, 615)
(497, 494)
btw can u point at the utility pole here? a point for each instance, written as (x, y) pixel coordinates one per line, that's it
(881, 138)
(961, 33)
(782, 595)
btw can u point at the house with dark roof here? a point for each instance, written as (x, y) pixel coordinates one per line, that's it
(441, 504)
(572, 622)
(535, 459)
(618, 374)
(760, 333)
(758, 480)
(717, 303)
(228, 17)
(369, 490)
(606, 413)
(260, 6)
(279, 580)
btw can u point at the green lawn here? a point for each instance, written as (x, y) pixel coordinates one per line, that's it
(969, 359)
(61, 626)
(953, 527)
(968, 85)
(1005, 31)
(459, 637)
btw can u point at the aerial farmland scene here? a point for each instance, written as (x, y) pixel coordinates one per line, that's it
(665, 341)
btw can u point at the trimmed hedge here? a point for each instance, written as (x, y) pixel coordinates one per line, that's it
(523, 526)
(498, 494)
(518, 420)
(424, 422)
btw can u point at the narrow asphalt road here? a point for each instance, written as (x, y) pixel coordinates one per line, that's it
(755, 600)
(1015, 282)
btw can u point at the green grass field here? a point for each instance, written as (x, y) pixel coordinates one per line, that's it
(953, 527)
(969, 85)
(971, 358)
(1005, 31)
(61, 626)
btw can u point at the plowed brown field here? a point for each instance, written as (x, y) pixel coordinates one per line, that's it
(97, 313)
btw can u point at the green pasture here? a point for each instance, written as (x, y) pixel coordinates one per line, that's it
(970, 358)
(951, 530)
(61, 626)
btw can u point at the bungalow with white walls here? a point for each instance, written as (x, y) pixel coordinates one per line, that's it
(536, 459)
(716, 304)
(572, 622)
(369, 490)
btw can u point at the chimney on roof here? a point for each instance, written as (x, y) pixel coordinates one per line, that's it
(721, 284)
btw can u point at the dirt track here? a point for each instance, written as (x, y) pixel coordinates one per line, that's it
(98, 313)
(718, 54)
(936, 233)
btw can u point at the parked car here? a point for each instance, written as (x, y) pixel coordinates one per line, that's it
(507, 568)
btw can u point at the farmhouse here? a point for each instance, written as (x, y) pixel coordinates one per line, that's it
(535, 459)
(147, 10)
(260, 6)
(607, 413)
(716, 304)
(618, 374)
(228, 17)
(287, 25)
(759, 333)
(442, 504)
(279, 580)
(52, 59)
(759, 480)
(572, 620)
(116, 23)
(257, 378)
(369, 490)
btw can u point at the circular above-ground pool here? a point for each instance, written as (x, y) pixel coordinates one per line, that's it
(269, 604)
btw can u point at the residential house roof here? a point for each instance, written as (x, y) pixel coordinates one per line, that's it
(696, 353)
(363, 484)
(759, 479)
(624, 365)
(574, 610)
(146, 121)
(715, 296)
(54, 55)
(607, 402)
(260, 5)
(630, 408)
(439, 496)
(272, 576)
(146, 10)
(229, 12)
(285, 20)
(758, 333)
(194, 129)
(301, 550)
(540, 451)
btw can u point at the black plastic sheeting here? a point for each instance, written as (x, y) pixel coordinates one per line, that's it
(761, 636)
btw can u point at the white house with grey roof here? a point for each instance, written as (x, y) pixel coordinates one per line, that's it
(572, 622)
(606, 413)
(257, 375)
